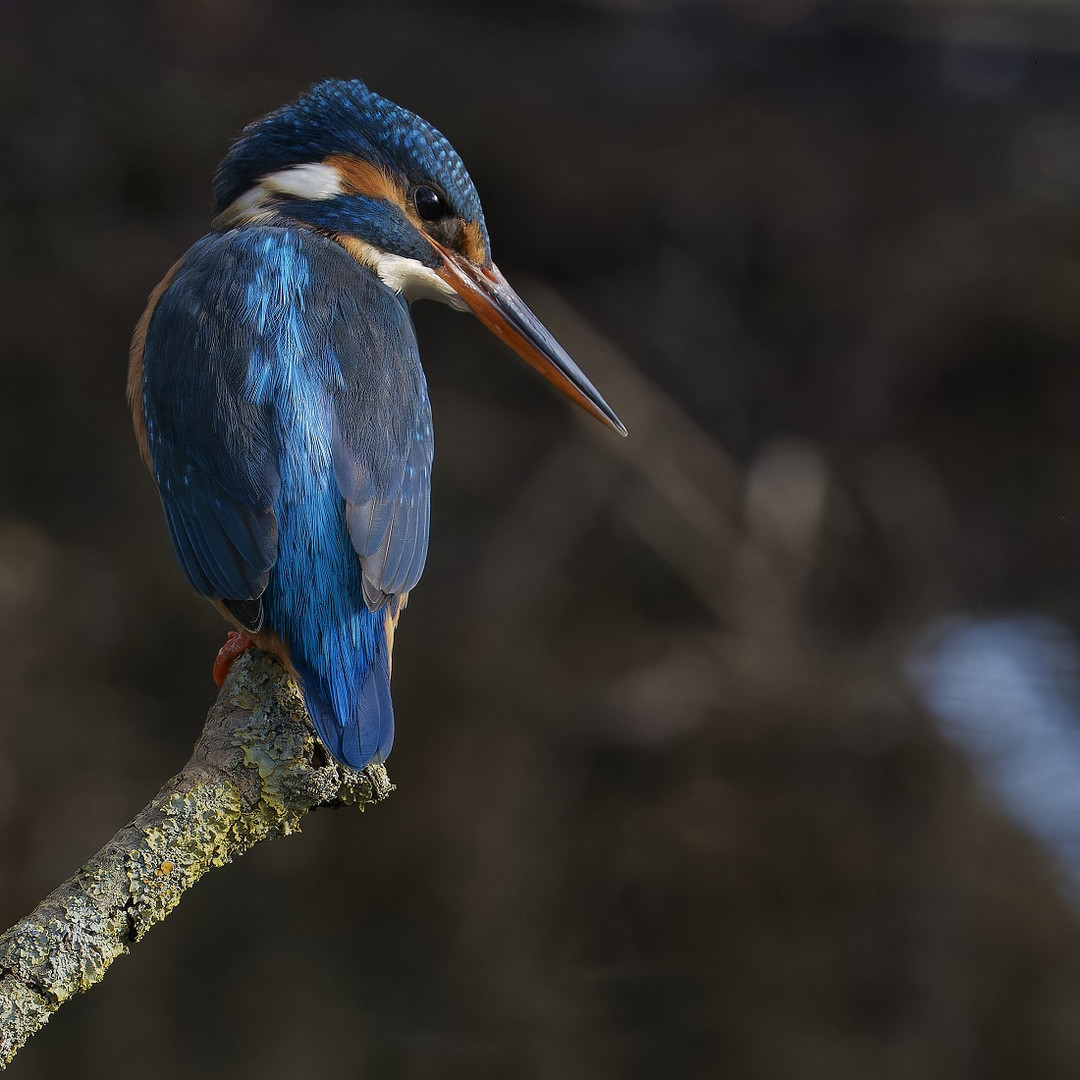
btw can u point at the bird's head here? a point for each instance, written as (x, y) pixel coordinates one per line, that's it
(393, 191)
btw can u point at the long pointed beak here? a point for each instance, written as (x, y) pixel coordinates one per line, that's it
(491, 299)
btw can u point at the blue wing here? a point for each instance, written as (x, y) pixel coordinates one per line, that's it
(210, 446)
(382, 445)
(288, 426)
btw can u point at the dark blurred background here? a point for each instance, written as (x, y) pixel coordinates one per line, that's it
(745, 747)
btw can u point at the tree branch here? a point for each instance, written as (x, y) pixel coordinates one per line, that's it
(255, 771)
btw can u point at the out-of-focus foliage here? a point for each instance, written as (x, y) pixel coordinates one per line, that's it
(668, 805)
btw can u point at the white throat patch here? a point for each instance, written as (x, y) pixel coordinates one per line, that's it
(411, 278)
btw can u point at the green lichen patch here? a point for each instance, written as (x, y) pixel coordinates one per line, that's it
(21, 1010)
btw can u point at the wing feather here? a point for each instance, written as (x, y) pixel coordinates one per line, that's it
(382, 448)
(209, 442)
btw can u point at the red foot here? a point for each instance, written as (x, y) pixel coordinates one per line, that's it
(235, 644)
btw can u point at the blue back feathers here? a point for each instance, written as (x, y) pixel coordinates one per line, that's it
(289, 430)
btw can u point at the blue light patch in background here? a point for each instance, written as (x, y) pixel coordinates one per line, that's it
(1007, 691)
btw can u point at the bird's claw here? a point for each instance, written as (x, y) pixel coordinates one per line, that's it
(236, 643)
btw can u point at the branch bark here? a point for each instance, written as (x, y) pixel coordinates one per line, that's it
(255, 771)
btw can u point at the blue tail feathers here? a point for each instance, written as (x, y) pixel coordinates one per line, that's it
(347, 691)
(338, 646)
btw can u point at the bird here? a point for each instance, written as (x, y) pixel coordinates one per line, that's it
(278, 397)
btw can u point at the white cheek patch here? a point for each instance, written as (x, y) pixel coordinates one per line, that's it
(315, 180)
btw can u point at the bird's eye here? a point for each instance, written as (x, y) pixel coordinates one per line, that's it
(430, 204)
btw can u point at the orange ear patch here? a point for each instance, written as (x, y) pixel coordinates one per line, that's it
(362, 178)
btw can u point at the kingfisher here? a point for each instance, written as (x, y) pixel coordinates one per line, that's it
(278, 398)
